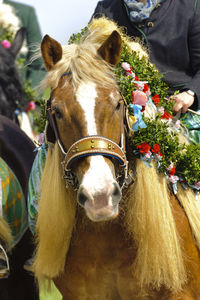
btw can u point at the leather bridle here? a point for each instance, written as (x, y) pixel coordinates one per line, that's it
(90, 146)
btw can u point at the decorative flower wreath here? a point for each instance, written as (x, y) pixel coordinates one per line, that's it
(156, 139)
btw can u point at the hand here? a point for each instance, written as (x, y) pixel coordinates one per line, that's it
(183, 101)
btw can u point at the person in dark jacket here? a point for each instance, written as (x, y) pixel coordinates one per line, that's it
(171, 32)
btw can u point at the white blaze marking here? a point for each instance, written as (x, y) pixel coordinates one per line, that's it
(86, 96)
(98, 176)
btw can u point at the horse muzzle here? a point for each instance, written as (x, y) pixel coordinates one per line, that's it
(102, 205)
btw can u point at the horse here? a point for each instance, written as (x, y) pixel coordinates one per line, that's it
(16, 158)
(99, 234)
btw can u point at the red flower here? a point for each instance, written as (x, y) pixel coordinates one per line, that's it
(146, 88)
(172, 171)
(156, 148)
(144, 148)
(136, 78)
(166, 115)
(129, 72)
(156, 99)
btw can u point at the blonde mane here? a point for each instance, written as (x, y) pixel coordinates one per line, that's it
(149, 219)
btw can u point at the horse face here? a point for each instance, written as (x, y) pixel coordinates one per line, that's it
(89, 110)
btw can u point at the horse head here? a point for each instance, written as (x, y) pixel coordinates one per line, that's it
(11, 90)
(85, 116)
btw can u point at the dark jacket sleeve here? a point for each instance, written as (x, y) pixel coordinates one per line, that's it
(194, 48)
(106, 8)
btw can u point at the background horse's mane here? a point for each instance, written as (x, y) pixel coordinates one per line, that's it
(11, 91)
(149, 218)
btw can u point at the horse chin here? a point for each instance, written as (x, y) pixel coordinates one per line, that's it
(102, 215)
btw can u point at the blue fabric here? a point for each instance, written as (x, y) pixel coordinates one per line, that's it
(140, 11)
(192, 123)
(138, 114)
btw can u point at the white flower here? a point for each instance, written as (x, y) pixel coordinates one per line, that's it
(8, 18)
(9, 21)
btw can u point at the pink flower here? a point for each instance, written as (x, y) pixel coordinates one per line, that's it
(31, 106)
(126, 66)
(161, 110)
(173, 178)
(6, 44)
(198, 184)
(139, 98)
(148, 154)
(41, 138)
(159, 156)
(178, 124)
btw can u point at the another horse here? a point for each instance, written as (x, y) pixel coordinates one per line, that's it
(17, 151)
(135, 243)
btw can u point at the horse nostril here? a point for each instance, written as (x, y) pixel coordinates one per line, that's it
(116, 191)
(82, 198)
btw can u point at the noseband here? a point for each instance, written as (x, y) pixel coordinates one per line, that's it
(90, 146)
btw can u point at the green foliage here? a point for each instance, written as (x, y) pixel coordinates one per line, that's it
(75, 37)
(29, 93)
(40, 120)
(6, 33)
(188, 164)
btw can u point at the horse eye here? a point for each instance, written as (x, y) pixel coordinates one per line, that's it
(58, 113)
(118, 106)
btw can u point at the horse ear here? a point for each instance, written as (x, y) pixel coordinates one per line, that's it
(51, 52)
(18, 41)
(111, 49)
